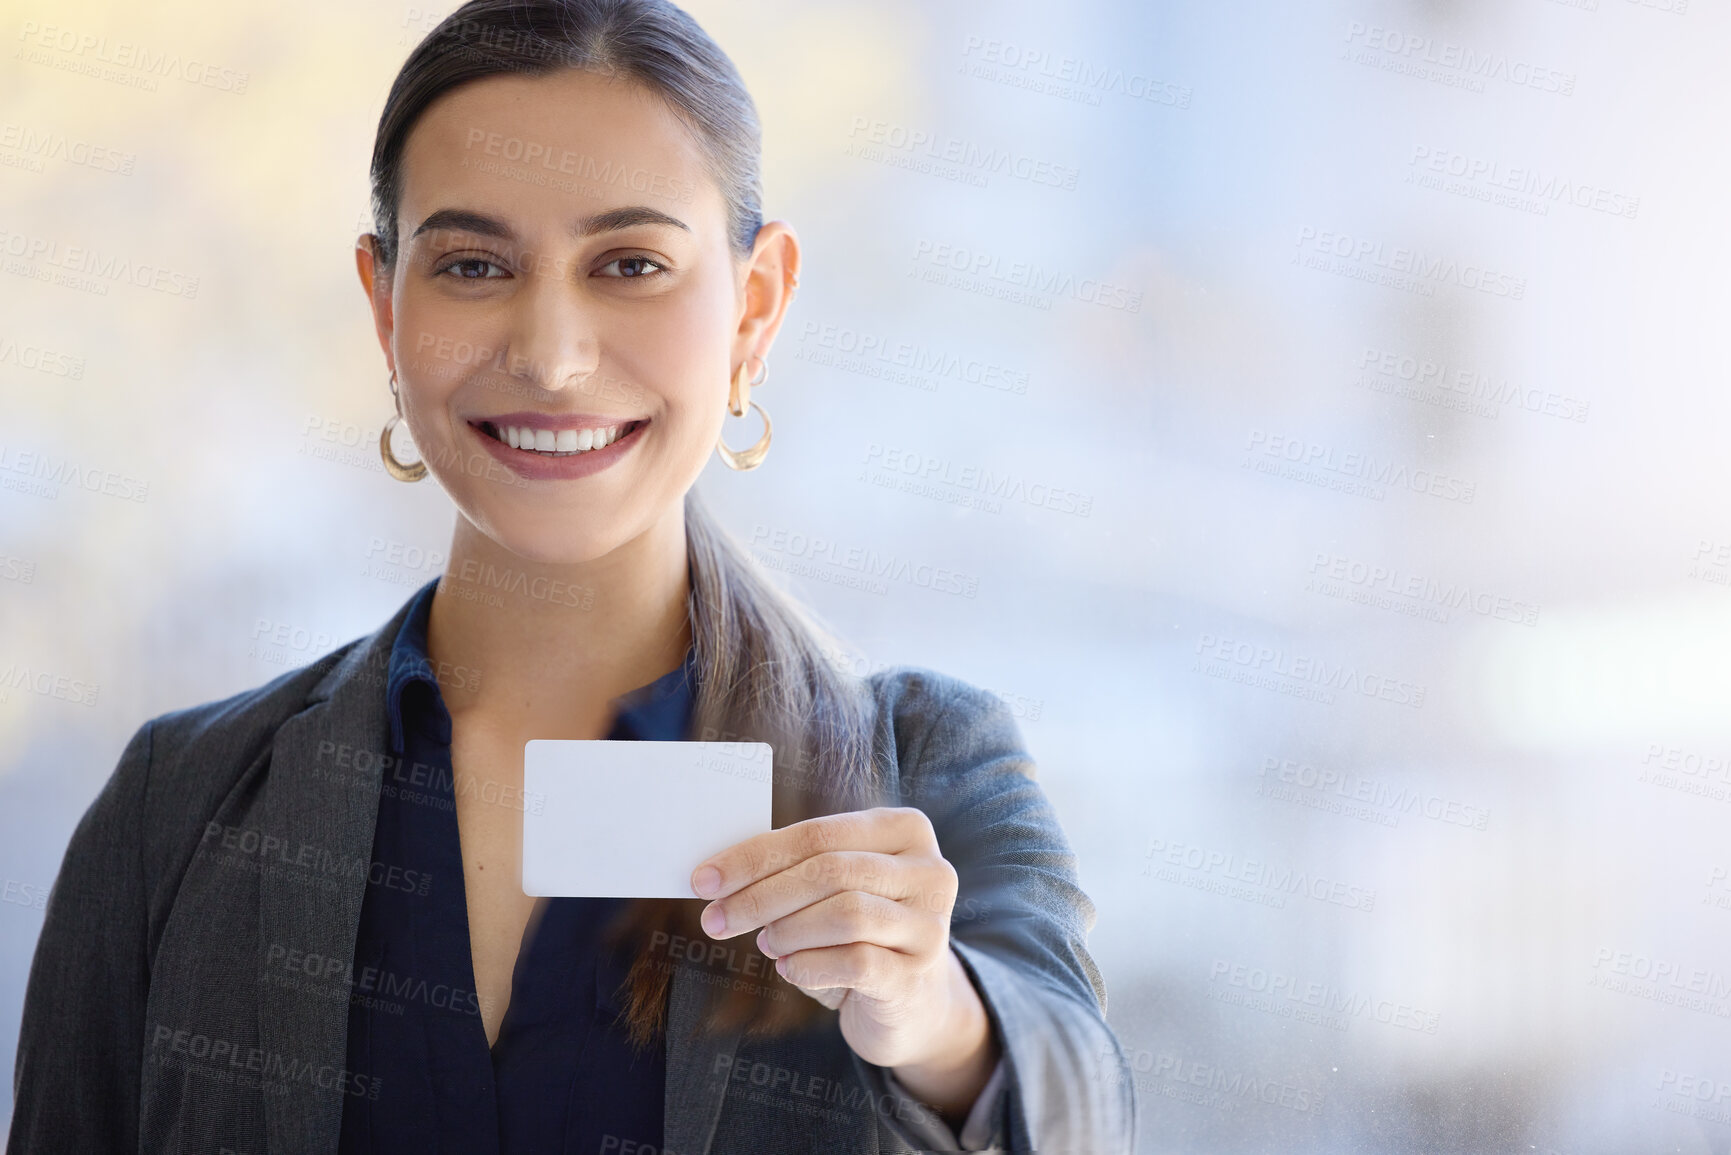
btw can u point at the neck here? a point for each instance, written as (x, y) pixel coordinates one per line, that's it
(555, 644)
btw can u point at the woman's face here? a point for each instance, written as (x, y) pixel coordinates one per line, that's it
(563, 275)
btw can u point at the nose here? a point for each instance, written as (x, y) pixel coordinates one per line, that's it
(552, 341)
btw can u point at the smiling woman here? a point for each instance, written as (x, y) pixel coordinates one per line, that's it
(572, 286)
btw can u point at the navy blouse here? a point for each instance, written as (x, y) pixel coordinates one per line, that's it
(563, 1075)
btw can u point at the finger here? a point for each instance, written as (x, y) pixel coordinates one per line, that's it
(832, 997)
(859, 967)
(890, 876)
(851, 916)
(800, 885)
(882, 830)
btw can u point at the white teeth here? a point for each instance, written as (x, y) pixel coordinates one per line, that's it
(564, 441)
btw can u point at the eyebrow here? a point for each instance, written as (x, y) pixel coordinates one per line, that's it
(467, 221)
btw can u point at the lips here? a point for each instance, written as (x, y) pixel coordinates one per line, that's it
(578, 445)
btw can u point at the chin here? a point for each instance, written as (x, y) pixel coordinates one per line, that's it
(546, 536)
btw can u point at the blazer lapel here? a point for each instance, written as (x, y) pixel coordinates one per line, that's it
(313, 903)
(698, 1063)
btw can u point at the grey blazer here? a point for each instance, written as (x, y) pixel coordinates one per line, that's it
(148, 1024)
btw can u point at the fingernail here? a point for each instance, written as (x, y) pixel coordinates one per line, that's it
(781, 967)
(714, 920)
(706, 881)
(760, 945)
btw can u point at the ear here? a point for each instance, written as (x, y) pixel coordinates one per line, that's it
(376, 280)
(767, 289)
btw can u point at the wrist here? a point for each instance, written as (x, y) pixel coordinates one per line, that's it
(964, 1051)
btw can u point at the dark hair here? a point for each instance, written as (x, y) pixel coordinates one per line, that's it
(766, 669)
(651, 42)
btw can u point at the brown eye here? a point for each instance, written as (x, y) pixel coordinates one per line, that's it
(472, 269)
(632, 268)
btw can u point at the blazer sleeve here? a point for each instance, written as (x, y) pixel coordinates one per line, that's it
(1020, 925)
(981, 1130)
(81, 1042)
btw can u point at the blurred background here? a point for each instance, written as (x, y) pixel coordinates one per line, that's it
(1320, 410)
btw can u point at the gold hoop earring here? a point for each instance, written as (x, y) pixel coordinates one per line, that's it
(738, 397)
(411, 472)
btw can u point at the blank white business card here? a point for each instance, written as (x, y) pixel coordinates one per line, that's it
(634, 819)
